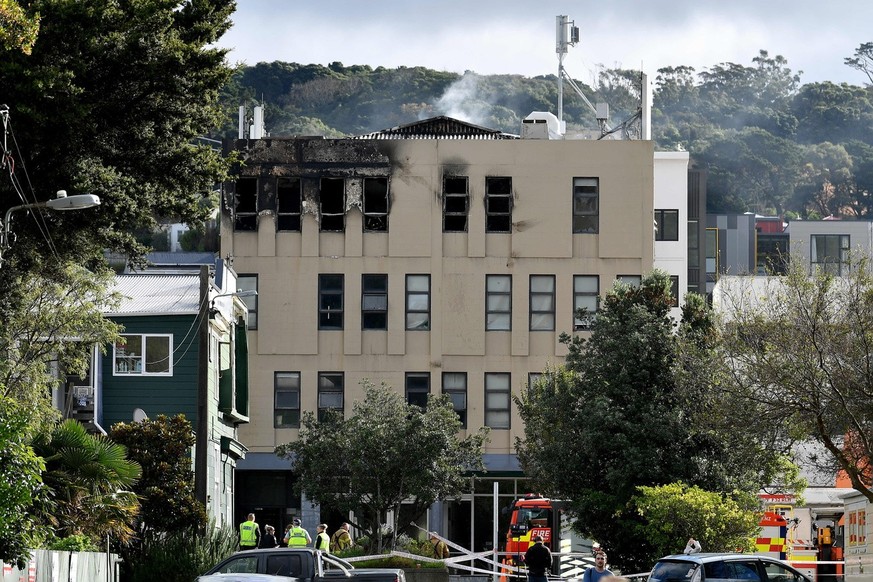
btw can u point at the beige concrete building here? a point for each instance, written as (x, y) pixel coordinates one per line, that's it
(438, 257)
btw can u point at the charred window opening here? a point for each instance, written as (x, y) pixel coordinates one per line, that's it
(456, 203)
(245, 212)
(288, 193)
(333, 205)
(375, 204)
(498, 204)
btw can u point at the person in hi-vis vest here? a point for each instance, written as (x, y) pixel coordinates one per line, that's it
(297, 537)
(249, 533)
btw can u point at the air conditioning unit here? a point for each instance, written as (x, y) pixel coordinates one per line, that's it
(83, 395)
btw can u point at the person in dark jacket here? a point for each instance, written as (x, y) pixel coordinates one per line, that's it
(538, 559)
(268, 540)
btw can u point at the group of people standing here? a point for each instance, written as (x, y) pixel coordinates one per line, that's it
(296, 536)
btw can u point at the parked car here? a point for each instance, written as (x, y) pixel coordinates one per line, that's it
(300, 564)
(245, 578)
(730, 567)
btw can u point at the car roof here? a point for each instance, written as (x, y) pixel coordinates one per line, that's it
(705, 557)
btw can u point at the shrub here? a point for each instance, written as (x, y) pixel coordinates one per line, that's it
(181, 555)
(74, 543)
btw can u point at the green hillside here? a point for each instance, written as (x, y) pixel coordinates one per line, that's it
(769, 143)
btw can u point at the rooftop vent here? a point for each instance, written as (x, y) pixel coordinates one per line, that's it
(541, 125)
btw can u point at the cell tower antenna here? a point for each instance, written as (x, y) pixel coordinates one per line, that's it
(566, 34)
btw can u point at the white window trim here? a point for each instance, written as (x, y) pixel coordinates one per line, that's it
(142, 373)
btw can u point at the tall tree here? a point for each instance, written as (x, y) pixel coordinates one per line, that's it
(18, 30)
(53, 317)
(616, 418)
(162, 448)
(387, 454)
(862, 60)
(110, 102)
(798, 353)
(20, 485)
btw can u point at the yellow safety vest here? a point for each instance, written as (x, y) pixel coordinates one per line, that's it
(248, 533)
(297, 537)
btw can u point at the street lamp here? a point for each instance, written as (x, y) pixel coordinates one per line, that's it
(237, 293)
(61, 202)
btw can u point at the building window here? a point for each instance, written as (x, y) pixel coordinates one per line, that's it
(674, 289)
(286, 406)
(374, 302)
(497, 400)
(245, 210)
(249, 283)
(375, 204)
(829, 252)
(456, 203)
(542, 302)
(498, 204)
(289, 204)
(332, 205)
(630, 280)
(533, 378)
(330, 393)
(586, 296)
(330, 301)
(667, 225)
(586, 205)
(143, 355)
(417, 302)
(498, 302)
(455, 386)
(417, 388)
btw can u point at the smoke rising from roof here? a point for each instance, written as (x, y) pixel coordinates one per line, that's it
(462, 100)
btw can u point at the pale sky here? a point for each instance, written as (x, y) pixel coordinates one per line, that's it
(518, 36)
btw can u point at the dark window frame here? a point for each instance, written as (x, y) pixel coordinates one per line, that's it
(417, 388)
(504, 392)
(415, 312)
(245, 204)
(250, 301)
(490, 310)
(828, 263)
(535, 297)
(326, 309)
(580, 296)
(667, 230)
(374, 301)
(286, 416)
(456, 203)
(324, 390)
(498, 204)
(289, 204)
(586, 205)
(332, 215)
(457, 392)
(375, 204)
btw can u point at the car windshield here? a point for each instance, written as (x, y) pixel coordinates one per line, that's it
(674, 572)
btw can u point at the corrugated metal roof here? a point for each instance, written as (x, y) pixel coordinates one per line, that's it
(441, 127)
(155, 294)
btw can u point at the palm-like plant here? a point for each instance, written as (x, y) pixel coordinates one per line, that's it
(88, 479)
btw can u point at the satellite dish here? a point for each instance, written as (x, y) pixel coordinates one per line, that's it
(140, 415)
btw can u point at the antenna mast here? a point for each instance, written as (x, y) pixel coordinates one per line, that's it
(566, 34)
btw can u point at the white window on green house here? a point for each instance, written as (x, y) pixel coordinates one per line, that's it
(143, 355)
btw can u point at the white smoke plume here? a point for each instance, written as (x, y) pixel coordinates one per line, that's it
(463, 101)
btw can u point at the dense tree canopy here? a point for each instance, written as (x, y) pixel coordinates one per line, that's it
(797, 353)
(753, 128)
(618, 416)
(109, 102)
(386, 454)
